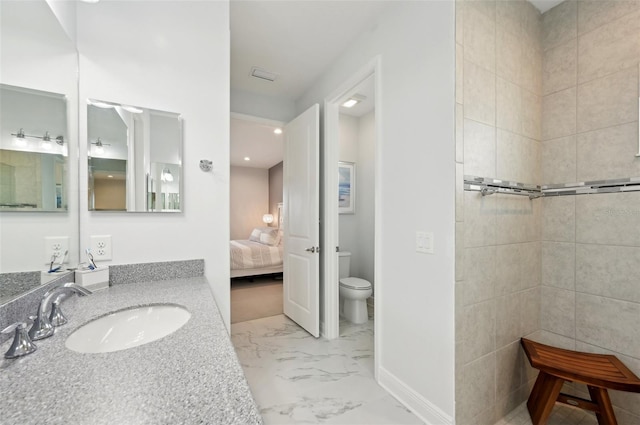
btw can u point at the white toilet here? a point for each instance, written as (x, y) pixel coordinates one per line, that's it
(353, 292)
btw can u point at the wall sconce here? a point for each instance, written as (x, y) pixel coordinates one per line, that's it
(166, 175)
(100, 146)
(267, 218)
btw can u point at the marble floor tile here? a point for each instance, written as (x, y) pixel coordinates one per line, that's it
(297, 379)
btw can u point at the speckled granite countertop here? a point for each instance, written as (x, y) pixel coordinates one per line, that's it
(189, 377)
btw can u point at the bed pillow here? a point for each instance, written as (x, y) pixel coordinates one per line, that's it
(264, 235)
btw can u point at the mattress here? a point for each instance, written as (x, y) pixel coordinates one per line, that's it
(250, 255)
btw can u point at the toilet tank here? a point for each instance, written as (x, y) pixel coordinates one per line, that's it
(344, 261)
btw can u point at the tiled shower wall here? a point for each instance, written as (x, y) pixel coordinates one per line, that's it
(498, 133)
(591, 243)
(545, 99)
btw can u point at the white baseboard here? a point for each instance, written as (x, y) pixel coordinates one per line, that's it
(420, 406)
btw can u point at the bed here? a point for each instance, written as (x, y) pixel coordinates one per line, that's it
(259, 255)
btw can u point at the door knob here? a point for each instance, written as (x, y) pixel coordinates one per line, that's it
(311, 250)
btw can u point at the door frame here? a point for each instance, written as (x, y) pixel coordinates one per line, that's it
(329, 323)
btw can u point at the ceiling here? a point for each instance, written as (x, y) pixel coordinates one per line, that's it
(297, 41)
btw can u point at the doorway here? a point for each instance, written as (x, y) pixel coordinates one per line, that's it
(367, 198)
(256, 159)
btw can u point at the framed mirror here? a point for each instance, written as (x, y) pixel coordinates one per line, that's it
(135, 158)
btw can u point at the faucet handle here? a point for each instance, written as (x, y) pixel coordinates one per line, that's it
(56, 318)
(22, 344)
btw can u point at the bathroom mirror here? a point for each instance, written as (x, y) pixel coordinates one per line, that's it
(135, 158)
(33, 150)
(39, 172)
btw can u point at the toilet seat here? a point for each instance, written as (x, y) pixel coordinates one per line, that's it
(355, 283)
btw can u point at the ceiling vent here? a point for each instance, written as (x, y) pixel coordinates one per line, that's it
(263, 74)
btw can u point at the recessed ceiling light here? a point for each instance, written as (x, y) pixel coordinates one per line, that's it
(246, 158)
(278, 131)
(110, 176)
(350, 103)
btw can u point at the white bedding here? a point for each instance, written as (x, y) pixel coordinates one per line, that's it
(247, 254)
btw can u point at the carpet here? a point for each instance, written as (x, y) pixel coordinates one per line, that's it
(255, 298)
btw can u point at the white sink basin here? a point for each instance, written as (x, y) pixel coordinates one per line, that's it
(128, 328)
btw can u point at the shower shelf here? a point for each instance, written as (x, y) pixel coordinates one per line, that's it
(489, 186)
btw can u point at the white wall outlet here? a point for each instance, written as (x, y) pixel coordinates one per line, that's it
(424, 242)
(101, 247)
(55, 245)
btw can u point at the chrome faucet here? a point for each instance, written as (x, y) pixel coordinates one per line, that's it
(42, 326)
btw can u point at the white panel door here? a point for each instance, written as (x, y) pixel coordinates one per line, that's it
(301, 198)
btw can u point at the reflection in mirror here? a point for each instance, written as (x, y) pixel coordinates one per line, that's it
(33, 150)
(135, 158)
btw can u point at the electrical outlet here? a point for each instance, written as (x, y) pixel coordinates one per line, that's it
(101, 247)
(55, 245)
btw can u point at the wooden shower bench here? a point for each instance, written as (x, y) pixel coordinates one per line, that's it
(598, 371)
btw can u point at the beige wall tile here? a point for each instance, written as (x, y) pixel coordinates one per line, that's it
(459, 73)
(479, 93)
(559, 114)
(508, 106)
(480, 219)
(480, 274)
(459, 133)
(532, 23)
(517, 218)
(559, 160)
(478, 391)
(609, 48)
(609, 219)
(558, 311)
(459, 251)
(531, 115)
(509, 59)
(530, 313)
(532, 67)
(595, 13)
(608, 153)
(559, 67)
(509, 369)
(518, 158)
(508, 319)
(479, 330)
(608, 101)
(460, 21)
(559, 265)
(610, 323)
(559, 218)
(479, 149)
(510, 16)
(556, 340)
(459, 192)
(479, 36)
(517, 267)
(608, 271)
(559, 24)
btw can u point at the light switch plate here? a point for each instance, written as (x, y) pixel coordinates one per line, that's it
(424, 242)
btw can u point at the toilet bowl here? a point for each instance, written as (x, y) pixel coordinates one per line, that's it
(353, 292)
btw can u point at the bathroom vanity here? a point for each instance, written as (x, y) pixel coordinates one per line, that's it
(189, 376)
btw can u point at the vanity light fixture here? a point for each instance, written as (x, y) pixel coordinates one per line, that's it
(278, 131)
(166, 175)
(267, 218)
(20, 138)
(99, 149)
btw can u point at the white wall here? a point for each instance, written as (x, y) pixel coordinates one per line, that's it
(40, 57)
(249, 200)
(171, 56)
(416, 174)
(261, 106)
